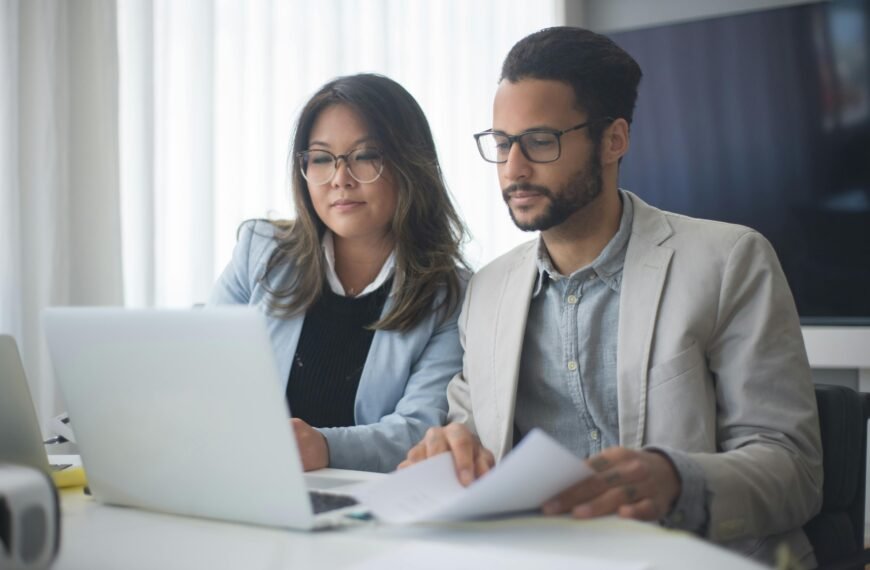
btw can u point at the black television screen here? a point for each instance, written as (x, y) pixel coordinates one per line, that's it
(763, 119)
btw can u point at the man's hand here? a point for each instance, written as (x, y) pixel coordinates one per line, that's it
(633, 484)
(312, 445)
(469, 456)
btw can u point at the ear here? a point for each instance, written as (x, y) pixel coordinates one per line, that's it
(614, 142)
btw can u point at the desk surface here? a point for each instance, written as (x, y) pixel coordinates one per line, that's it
(97, 537)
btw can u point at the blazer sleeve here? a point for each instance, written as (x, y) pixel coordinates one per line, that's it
(382, 445)
(767, 475)
(238, 279)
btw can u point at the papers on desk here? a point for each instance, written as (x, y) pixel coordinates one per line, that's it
(444, 557)
(536, 470)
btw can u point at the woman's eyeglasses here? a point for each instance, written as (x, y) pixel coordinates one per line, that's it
(365, 165)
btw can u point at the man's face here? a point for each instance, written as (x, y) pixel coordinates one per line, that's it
(542, 196)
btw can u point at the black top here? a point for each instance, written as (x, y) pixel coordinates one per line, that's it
(332, 350)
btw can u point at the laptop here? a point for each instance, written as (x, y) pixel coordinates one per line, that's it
(182, 411)
(30, 520)
(21, 442)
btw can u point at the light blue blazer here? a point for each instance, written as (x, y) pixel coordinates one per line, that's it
(402, 390)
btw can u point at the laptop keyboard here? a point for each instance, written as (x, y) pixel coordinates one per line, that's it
(322, 502)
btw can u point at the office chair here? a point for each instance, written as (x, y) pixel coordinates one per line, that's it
(837, 532)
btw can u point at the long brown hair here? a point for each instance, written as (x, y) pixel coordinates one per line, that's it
(428, 232)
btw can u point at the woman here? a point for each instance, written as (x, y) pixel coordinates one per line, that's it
(362, 289)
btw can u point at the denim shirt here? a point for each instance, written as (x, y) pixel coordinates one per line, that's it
(567, 381)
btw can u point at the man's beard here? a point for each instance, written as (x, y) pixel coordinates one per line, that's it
(572, 197)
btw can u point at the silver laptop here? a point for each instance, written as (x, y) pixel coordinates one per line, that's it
(21, 442)
(182, 411)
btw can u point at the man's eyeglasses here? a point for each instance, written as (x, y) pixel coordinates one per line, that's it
(537, 145)
(318, 166)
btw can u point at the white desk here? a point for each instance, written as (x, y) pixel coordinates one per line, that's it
(99, 537)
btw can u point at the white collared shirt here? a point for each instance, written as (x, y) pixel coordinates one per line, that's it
(387, 270)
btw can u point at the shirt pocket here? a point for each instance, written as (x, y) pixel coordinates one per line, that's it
(676, 366)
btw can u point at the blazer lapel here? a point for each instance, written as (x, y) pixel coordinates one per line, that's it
(507, 347)
(644, 274)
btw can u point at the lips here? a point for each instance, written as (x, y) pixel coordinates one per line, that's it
(523, 199)
(343, 203)
(524, 194)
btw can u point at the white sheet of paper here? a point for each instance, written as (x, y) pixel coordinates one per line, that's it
(536, 470)
(442, 556)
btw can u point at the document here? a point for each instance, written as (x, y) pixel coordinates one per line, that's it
(536, 470)
(444, 556)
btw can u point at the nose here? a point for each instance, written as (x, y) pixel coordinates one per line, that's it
(342, 177)
(517, 166)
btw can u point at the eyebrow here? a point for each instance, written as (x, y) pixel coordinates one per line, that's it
(355, 143)
(530, 129)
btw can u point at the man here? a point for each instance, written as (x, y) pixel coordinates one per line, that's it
(665, 349)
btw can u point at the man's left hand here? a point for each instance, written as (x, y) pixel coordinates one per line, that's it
(630, 483)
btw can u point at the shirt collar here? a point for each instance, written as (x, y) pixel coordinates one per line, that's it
(387, 270)
(607, 266)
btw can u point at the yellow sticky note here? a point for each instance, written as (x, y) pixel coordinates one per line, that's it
(69, 477)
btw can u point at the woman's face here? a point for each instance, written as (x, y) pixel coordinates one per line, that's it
(349, 208)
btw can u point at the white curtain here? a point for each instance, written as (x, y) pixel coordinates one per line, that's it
(210, 90)
(59, 203)
(135, 135)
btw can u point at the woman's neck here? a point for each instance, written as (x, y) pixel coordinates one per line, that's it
(358, 261)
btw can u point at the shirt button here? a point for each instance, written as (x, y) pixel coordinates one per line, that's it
(594, 434)
(572, 366)
(572, 299)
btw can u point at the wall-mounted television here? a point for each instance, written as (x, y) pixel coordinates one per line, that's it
(763, 119)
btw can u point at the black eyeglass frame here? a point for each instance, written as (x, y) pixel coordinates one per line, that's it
(300, 156)
(519, 139)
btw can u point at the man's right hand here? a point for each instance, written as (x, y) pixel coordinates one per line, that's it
(470, 458)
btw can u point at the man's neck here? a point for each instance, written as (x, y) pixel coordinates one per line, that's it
(578, 241)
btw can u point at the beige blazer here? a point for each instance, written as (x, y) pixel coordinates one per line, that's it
(710, 360)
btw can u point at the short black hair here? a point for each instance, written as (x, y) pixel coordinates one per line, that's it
(603, 75)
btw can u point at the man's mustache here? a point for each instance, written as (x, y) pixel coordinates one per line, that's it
(525, 187)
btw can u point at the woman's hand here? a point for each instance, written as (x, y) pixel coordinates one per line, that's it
(312, 446)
